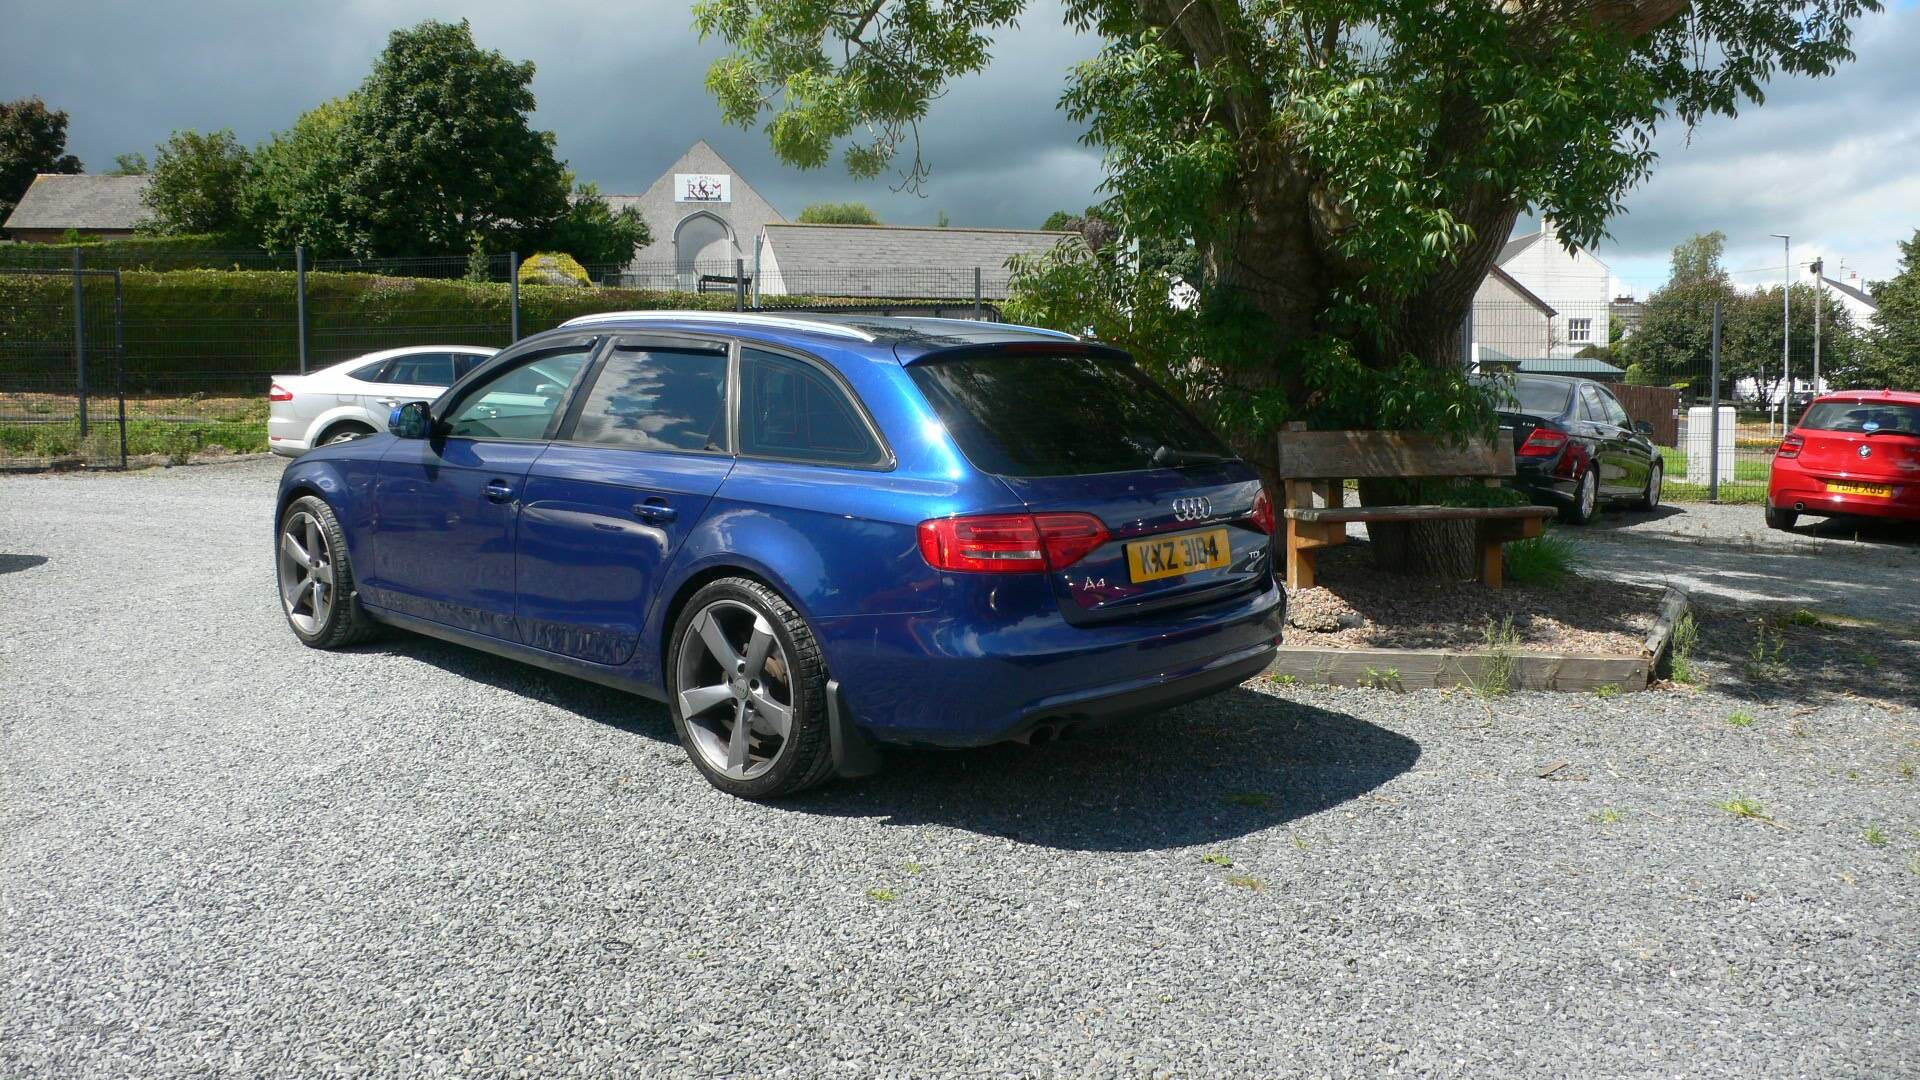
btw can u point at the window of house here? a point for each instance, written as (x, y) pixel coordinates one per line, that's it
(1579, 330)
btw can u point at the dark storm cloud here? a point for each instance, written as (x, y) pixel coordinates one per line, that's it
(1834, 161)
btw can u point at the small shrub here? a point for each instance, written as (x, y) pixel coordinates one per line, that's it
(553, 268)
(1288, 680)
(1741, 720)
(1765, 659)
(1543, 561)
(1607, 692)
(882, 896)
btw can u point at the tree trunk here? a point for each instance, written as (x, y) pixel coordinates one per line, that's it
(1443, 550)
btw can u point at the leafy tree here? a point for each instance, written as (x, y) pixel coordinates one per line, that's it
(1750, 360)
(1891, 357)
(33, 140)
(1344, 170)
(1675, 340)
(438, 148)
(1058, 221)
(197, 182)
(133, 164)
(595, 234)
(294, 194)
(847, 213)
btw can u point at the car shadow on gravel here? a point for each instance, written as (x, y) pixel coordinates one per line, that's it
(14, 563)
(1226, 766)
(1620, 516)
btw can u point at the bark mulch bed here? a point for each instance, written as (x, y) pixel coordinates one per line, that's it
(1359, 606)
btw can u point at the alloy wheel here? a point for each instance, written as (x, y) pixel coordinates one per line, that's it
(735, 690)
(306, 573)
(1653, 489)
(1587, 493)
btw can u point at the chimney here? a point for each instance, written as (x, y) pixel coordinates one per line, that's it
(1548, 230)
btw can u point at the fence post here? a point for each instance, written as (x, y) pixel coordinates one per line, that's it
(120, 360)
(976, 294)
(513, 297)
(739, 285)
(300, 301)
(1713, 412)
(80, 339)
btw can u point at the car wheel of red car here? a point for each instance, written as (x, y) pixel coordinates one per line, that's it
(1781, 519)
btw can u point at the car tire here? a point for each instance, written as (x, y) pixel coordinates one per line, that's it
(1650, 498)
(315, 575)
(344, 432)
(711, 692)
(1586, 500)
(1781, 519)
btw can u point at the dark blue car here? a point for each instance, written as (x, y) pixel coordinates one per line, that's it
(805, 534)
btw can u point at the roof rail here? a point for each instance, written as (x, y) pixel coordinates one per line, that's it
(1041, 330)
(785, 322)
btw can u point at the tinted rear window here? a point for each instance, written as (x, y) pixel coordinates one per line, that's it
(1862, 417)
(1040, 414)
(1538, 397)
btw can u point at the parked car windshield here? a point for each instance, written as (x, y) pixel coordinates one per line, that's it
(1861, 417)
(1063, 414)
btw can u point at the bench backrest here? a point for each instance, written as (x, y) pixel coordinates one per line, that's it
(1357, 455)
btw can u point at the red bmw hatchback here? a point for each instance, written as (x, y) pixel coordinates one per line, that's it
(1854, 452)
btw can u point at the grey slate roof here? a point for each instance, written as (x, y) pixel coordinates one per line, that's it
(1858, 294)
(1582, 366)
(82, 201)
(1515, 246)
(1525, 293)
(898, 261)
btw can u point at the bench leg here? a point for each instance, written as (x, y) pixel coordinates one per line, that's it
(1299, 559)
(1492, 563)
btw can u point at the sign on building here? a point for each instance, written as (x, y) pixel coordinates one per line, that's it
(702, 187)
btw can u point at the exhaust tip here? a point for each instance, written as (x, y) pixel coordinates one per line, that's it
(1800, 506)
(1041, 735)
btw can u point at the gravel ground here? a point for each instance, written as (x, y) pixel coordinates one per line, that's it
(225, 854)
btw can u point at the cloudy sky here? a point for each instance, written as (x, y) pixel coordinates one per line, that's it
(1834, 162)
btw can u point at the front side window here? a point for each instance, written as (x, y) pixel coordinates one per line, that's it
(1061, 414)
(654, 398)
(790, 410)
(1579, 330)
(521, 401)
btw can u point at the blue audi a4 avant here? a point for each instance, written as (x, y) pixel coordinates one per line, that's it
(806, 534)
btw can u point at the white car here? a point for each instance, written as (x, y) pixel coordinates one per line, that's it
(356, 396)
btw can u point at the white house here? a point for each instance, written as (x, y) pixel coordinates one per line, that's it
(1851, 292)
(703, 216)
(1574, 283)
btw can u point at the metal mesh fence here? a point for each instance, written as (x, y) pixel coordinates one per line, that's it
(60, 368)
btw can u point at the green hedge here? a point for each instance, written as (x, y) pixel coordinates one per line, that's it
(226, 331)
(206, 251)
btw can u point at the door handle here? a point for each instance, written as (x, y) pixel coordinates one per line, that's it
(655, 511)
(498, 491)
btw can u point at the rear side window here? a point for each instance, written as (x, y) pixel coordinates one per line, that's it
(793, 411)
(1862, 418)
(420, 369)
(652, 398)
(466, 362)
(1064, 414)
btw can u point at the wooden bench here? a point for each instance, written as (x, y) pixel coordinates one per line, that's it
(1321, 462)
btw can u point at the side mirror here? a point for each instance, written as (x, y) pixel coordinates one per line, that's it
(1644, 427)
(410, 421)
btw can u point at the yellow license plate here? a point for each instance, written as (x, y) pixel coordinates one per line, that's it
(1182, 553)
(1876, 491)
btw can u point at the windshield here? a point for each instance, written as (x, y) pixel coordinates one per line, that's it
(1041, 414)
(1862, 418)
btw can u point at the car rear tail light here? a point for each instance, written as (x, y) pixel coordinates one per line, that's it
(279, 393)
(1543, 442)
(1010, 543)
(1791, 446)
(1263, 512)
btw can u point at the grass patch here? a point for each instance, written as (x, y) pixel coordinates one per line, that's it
(882, 896)
(1242, 881)
(178, 440)
(1766, 658)
(1543, 561)
(1608, 816)
(913, 868)
(1875, 835)
(1741, 720)
(1686, 638)
(1214, 858)
(1287, 680)
(1496, 674)
(1382, 680)
(1607, 691)
(1745, 806)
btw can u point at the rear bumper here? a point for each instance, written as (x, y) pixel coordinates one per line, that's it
(287, 436)
(1793, 488)
(930, 679)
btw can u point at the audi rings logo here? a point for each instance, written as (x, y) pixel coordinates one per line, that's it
(1193, 509)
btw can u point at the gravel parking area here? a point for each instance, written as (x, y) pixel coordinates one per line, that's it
(225, 854)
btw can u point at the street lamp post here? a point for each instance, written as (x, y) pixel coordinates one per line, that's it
(1786, 329)
(1819, 301)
